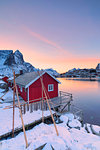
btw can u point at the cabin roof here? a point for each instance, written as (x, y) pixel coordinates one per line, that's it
(27, 79)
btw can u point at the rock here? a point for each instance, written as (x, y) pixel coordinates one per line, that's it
(4, 53)
(29, 67)
(18, 57)
(52, 72)
(64, 118)
(74, 124)
(10, 60)
(3, 85)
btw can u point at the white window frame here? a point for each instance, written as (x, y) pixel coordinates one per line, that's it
(21, 89)
(50, 87)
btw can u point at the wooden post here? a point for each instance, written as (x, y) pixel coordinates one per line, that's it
(36, 106)
(31, 108)
(68, 106)
(42, 111)
(21, 109)
(42, 107)
(48, 105)
(13, 104)
(21, 117)
(24, 108)
(27, 107)
(71, 97)
(60, 98)
(51, 115)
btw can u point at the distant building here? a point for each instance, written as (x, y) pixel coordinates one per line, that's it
(5, 79)
(98, 68)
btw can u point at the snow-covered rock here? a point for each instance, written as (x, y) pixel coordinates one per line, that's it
(74, 123)
(3, 55)
(3, 85)
(64, 118)
(52, 72)
(98, 68)
(74, 69)
(18, 57)
(43, 134)
(9, 60)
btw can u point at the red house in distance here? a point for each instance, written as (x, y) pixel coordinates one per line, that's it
(30, 88)
(5, 79)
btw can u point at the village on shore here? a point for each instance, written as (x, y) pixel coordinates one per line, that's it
(83, 73)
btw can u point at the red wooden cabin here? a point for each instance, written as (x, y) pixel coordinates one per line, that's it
(30, 88)
(5, 79)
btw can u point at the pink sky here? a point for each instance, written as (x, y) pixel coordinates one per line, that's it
(52, 34)
(62, 62)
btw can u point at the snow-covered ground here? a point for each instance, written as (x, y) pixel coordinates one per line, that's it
(68, 139)
(6, 116)
(72, 136)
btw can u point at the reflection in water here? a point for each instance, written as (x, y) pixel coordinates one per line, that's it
(86, 95)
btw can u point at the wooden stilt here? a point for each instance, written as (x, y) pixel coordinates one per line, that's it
(48, 104)
(50, 101)
(42, 105)
(13, 104)
(42, 112)
(24, 108)
(21, 116)
(51, 114)
(69, 106)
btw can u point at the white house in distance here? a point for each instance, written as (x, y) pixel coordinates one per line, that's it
(98, 69)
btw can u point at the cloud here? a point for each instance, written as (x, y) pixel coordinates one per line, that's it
(45, 40)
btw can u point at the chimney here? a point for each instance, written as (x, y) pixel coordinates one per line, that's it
(21, 72)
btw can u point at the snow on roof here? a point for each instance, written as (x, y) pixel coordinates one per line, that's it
(28, 78)
(11, 78)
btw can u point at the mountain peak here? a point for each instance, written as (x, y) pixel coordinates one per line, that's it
(18, 57)
(9, 59)
(17, 52)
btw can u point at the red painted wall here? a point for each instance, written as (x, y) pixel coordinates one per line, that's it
(22, 93)
(35, 89)
(5, 79)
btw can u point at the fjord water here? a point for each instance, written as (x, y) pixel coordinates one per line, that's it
(86, 96)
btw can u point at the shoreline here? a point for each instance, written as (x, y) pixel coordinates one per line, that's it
(81, 79)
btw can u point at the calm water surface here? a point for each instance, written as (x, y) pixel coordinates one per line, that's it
(86, 96)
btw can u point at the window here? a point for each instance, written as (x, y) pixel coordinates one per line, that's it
(21, 89)
(50, 87)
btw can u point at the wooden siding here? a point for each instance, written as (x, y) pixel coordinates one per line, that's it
(35, 89)
(22, 93)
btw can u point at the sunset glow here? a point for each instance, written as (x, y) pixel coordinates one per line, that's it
(52, 34)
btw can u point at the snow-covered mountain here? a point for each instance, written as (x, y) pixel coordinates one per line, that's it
(74, 69)
(15, 61)
(98, 67)
(52, 72)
